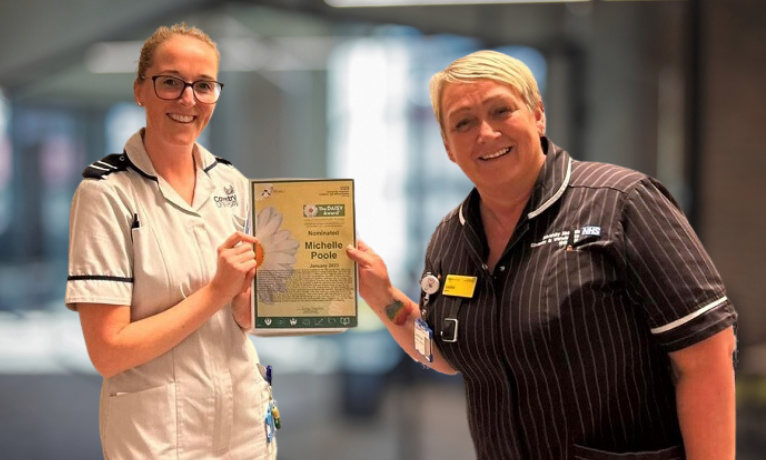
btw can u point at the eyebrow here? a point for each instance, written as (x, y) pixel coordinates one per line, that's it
(484, 102)
(178, 74)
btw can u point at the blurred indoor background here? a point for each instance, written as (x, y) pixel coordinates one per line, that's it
(672, 88)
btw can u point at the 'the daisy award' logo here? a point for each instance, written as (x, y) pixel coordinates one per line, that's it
(275, 255)
(310, 210)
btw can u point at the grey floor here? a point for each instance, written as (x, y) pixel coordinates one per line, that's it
(56, 417)
(49, 399)
(345, 397)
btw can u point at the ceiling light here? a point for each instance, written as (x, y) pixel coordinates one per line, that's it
(369, 3)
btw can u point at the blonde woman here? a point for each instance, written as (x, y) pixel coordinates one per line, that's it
(160, 269)
(581, 310)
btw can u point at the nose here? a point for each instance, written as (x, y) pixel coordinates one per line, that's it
(187, 96)
(487, 132)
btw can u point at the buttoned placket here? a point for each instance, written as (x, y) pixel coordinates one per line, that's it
(495, 284)
(215, 327)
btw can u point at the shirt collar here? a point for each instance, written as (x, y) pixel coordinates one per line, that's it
(551, 183)
(205, 161)
(136, 152)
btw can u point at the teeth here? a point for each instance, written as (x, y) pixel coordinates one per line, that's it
(181, 118)
(497, 154)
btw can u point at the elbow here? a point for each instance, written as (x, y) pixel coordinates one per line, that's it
(106, 373)
(103, 359)
(443, 368)
(448, 371)
(104, 366)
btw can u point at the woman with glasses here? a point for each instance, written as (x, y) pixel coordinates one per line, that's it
(160, 271)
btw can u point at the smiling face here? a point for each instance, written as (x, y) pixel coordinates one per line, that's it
(181, 121)
(491, 134)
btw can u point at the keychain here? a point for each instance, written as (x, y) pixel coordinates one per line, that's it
(272, 420)
(423, 333)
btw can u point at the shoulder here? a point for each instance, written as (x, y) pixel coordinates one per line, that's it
(110, 164)
(452, 218)
(99, 198)
(105, 182)
(221, 163)
(222, 170)
(594, 175)
(626, 185)
(221, 167)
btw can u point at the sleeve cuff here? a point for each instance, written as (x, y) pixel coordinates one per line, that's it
(98, 289)
(697, 326)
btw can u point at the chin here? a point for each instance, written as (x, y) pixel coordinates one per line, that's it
(187, 137)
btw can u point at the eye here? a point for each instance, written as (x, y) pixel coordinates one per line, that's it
(502, 111)
(463, 124)
(169, 82)
(204, 86)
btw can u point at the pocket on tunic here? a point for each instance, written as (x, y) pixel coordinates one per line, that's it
(151, 282)
(141, 424)
(587, 453)
(239, 222)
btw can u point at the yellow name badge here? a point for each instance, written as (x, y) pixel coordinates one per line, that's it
(459, 286)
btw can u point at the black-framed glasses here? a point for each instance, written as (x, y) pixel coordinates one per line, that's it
(171, 88)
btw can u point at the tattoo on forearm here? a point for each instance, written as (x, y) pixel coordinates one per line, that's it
(397, 312)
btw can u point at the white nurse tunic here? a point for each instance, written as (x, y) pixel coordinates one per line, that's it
(134, 241)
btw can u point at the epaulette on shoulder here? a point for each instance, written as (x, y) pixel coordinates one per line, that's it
(115, 162)
(224, 161)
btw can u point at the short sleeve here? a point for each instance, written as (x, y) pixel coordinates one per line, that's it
(100, 246)
(669, 272)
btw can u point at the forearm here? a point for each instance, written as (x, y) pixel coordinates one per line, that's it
(398, 313)
(705, 397)
(706, 414)
(242, 313)
(139, 342)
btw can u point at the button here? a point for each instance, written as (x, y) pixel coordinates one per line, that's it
(502, 268)
(484, 266)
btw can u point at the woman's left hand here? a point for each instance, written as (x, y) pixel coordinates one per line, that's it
(240, 304)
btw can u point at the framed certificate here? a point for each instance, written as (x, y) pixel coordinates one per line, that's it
(305, 283)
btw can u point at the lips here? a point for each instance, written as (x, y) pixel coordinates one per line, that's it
(180, 118)
(495, 155)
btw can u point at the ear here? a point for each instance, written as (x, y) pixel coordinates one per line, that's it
(540, 118)
(136, 91)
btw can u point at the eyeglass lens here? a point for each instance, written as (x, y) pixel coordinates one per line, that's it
(170, 88)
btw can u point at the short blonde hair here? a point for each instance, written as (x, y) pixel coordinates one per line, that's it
(163, 34)
(485, 65)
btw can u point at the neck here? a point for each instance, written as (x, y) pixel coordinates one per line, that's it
(501, 210)
(169, 160)
(506, 203)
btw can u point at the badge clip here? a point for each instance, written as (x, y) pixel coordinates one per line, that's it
(449, 330)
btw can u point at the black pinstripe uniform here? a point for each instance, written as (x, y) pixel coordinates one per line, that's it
(564, 347)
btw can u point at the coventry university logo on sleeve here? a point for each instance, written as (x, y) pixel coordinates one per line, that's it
(228, 199)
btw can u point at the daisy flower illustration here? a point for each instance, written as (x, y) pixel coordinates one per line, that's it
(275, 254)
(263, 191)
(310, 210)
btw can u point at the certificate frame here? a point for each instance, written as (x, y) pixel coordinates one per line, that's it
(305, 284)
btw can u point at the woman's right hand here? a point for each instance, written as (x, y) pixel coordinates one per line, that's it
(235, 261)
(374, 283)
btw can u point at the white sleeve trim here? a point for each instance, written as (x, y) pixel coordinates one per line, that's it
(689, 317)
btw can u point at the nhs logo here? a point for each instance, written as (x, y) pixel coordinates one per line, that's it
(590, 231)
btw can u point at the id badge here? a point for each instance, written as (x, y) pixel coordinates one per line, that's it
(423, 337)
